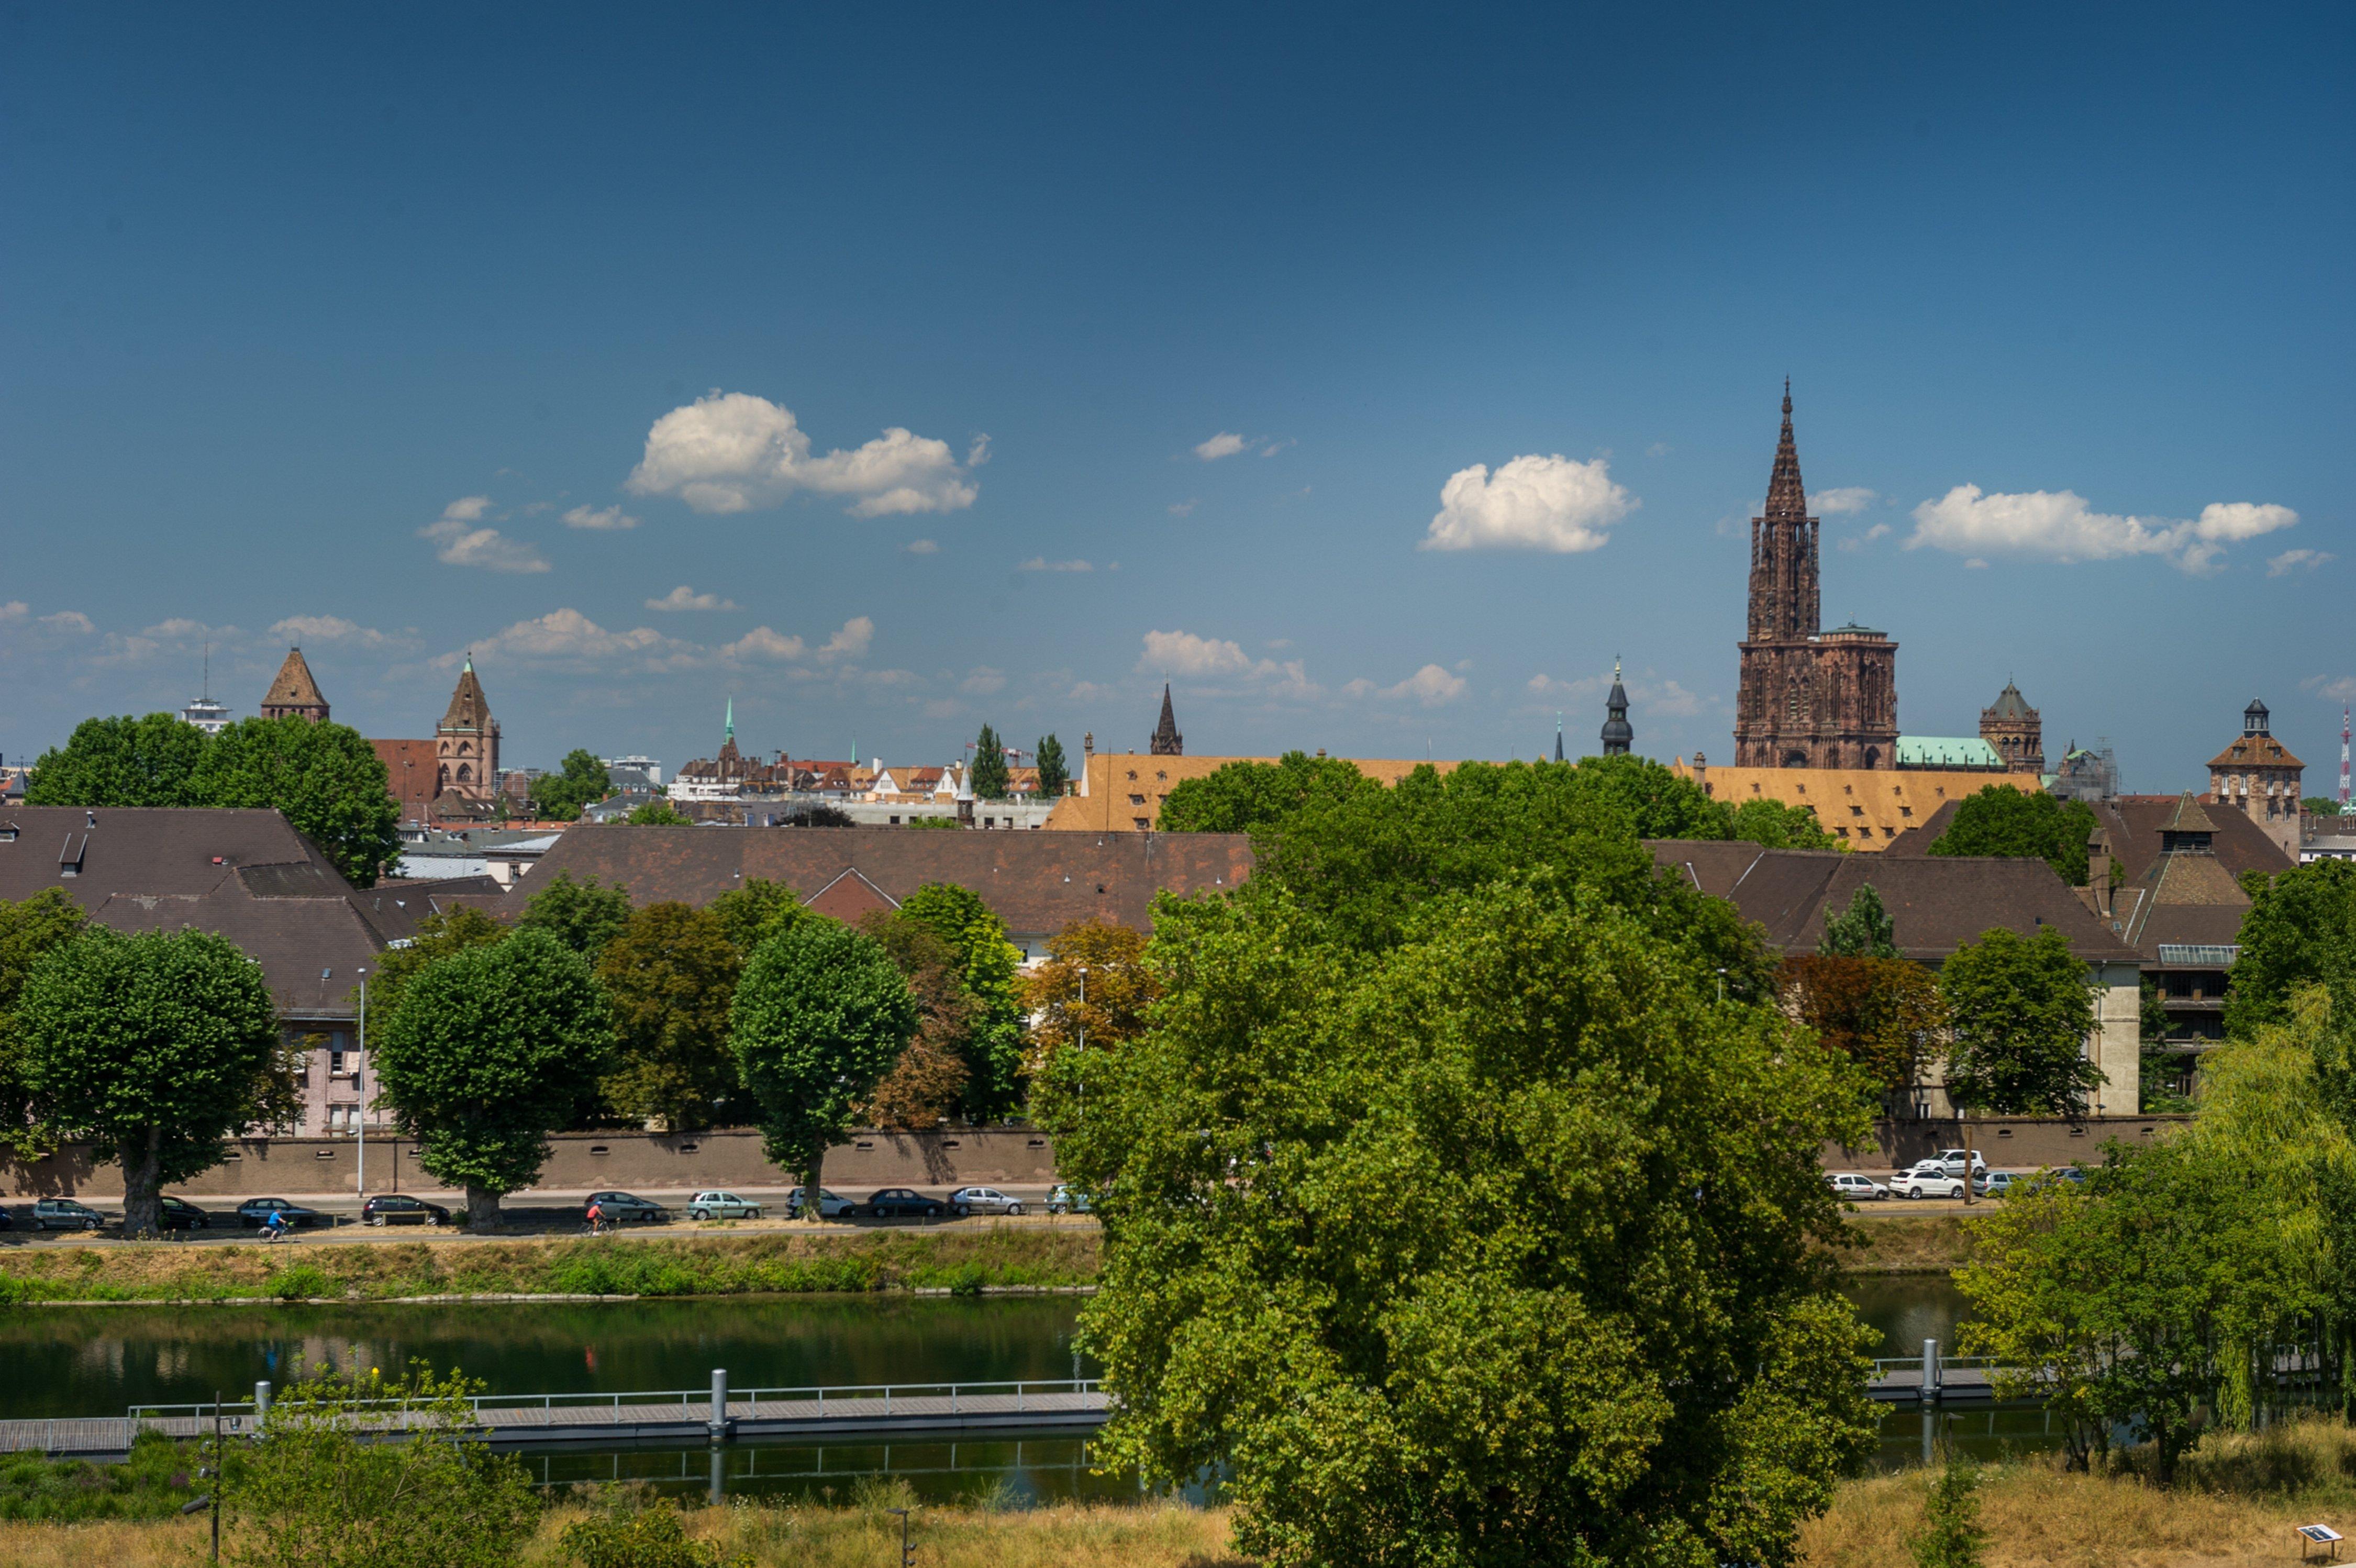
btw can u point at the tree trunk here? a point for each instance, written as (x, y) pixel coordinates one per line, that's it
(1965, 1122)
(482, 1209)
(814, 1188)
(143, 1161)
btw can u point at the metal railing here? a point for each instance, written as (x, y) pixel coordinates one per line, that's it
(736, 1402)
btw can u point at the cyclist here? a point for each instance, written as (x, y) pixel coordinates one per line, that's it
(597, 1218)
(274, 1227)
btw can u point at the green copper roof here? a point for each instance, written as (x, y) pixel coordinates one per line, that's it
(1947, 751)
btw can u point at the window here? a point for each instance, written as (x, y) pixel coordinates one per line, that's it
(1905, 811)
(1144, 826)
(1137, 800)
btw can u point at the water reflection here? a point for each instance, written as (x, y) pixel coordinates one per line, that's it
(1002, 1471)
(1906, 1309)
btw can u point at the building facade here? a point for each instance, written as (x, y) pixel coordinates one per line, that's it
(2012, 728)
(1809, 698)
(295, 694)
(2259, 777)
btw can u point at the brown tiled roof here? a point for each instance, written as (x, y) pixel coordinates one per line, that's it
(1038, 882)
(1869, 808)
(2188, 817)
(413, 771)
(2133, 824)
(469, 709)
(293, 688)
(2256, 751)
(1937, 903)
(245, 874)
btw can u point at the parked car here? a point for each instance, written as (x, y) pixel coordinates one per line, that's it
(253, 1211)
(831, 1204)
(621, 1208)
(721, 1205)
(179, 1214)
(967, 1200)
(900, 1203)
(2069, 1173)
(1066, 1199)
(400, 1209)
(1848, 1183)
(1951, 1161)
(1999, 1184)
(65, 1214)
(7, 1220)
(1930, 1179)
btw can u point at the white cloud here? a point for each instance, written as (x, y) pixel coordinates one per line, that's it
(1659, 449)
(1041, 563)
(2333, 687)
(1859, 540)
(1273, 447)
(1179, 509)
(14, 610)
(2058, 525)
(1183, 653)
(1226, 444)
(920, 547)
(732, 452)
(463, 544)
(327, 629)
(981, 681)
(567, 634)
(1843, 498)
(1644, 695)
(761, 642)
(852, 640)
(605, 520)
(69, 620)
(2290, 561)
(686, 598)
(1530, 503)
(1430, 685)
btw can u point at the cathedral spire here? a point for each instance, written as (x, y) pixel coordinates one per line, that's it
(1167, 741)
(1787, 498)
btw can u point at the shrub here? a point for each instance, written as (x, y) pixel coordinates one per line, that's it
(1951, 1536)
(299, 1282)
(152, 1482)
(628, 1534)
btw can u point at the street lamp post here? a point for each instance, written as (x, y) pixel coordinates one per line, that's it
(359, 1112)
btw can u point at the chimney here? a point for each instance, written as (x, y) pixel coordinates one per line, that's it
(1701, 770)
(2098, 873)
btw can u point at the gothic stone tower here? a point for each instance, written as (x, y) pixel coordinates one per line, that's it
(466, 743)
(1809, 698)
(2012, 727)
(1167, 741)
(295, 694)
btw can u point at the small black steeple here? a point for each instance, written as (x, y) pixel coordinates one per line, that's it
(1167, 741)
(1617, 733)
(1558, 734)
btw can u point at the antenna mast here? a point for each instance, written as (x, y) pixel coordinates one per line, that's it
(2343, 760)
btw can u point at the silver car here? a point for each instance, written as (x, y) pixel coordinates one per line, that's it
(967, 1200)
(1850, 1184)
(721, 1205)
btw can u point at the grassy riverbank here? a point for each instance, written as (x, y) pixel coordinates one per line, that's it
(1902, 1243)
(969, 1258)
(2237, 1504)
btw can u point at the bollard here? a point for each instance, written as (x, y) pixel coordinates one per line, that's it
(719, 1478)
(718, 1425)
(1933, 1379)
(261, 1400)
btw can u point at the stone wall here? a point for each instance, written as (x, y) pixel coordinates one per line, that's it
(578, 1162)
(2005, 1141)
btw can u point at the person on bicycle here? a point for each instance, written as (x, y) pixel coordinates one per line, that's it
(597, 1218)
(274, 1227)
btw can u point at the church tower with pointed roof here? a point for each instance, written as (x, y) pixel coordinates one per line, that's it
(466, 743)
(1618, 735)
(2012, 727)
(1167, 741)
(1809, 698)
(295, 694)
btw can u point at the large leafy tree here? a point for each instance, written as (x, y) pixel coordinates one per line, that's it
(149, 761)
(489, 1050)
(438, 936)
(30, 929)
(580, 781)
(986, 963)
(988, 776)
(1883, 1013)
(155, 1048)
(582, 915)
(1503, 1242)
(657, 812)
(1246, 797)
(2020, 1010)
(325, 777)
(821, 1014)
(1093, 990)
(669, 976)
(929, 1081)
(1863, 929)
(1770, 824)
(756, 910)
(1054, 773)
(2300, 930)
(2028, 824)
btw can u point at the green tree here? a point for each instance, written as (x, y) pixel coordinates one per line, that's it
(488, 1052)
(155, 1048)
(149, 761)
(1863, 930)
(1951, 1535)
(1503, 1245)
(669, 976)
(1655, 802)
(580, 781)
(929, 1080)
(2300, 930)
(755, 911)
(1774, 825)
(657, 813)
(820, 1016)
(2320, 806)
(2158, 1068)
(986, 963)
(322, 1490)
(582, 915)
(2028, 824)
(325, 777)
(2020, 1013)
(988, 776)
(1247, 797)
(438, 936)
(30, 929)
(1053, 773)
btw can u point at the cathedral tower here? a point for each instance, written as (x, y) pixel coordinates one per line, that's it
(295, 694)
(466, 743)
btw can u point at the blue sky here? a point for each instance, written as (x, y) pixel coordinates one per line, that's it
(1390, 371)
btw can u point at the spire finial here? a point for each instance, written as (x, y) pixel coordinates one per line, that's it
(1615, 667)
(731, 734)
